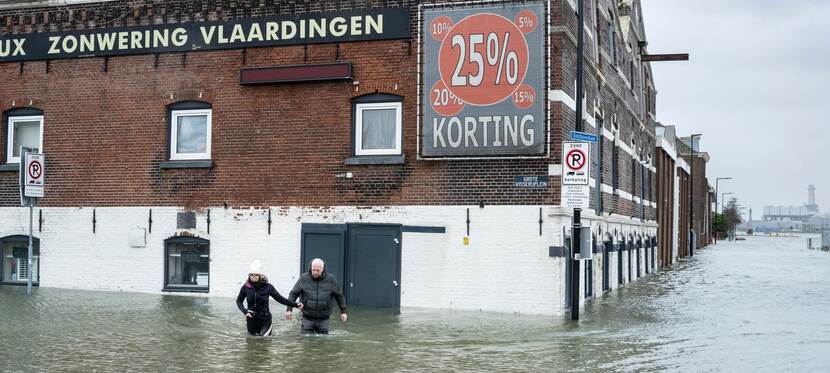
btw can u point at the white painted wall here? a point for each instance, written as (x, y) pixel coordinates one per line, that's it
(506, 268)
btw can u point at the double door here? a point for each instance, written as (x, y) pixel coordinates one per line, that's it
(364, 258)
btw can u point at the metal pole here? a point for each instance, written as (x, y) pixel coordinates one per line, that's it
(716, 210)
(692, 198)
(577, 223)
(29, 281)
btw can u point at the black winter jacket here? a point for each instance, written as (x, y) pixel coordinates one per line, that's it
(257, 298)
(316, 294)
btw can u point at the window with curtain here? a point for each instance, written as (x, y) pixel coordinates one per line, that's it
(377, 128)
(23, 131)
(190, 134)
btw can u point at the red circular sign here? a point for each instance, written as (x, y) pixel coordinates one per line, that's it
(524, 97)
(483, 59)
(440, 27)
(526, 21)
(35, 170)
(575, 159)
(443, 101)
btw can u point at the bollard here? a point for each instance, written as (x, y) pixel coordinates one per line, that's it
(809, 243)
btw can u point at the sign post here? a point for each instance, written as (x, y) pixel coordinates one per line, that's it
(576, 170)
(577, 224)
(32, 174)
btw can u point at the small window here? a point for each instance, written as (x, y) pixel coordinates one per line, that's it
(187, 264)
(15, 260)
(190, 134)
(23, 130)
(377, 128)
(615, 164)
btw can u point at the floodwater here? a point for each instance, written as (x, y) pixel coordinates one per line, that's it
(756, 305)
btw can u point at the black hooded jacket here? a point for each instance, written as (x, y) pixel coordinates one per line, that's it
(257, 298)
(316, 294)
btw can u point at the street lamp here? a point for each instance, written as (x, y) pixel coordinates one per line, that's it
(692, 193)
(716, 190)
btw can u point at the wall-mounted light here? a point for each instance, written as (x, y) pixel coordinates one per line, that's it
(344, 175)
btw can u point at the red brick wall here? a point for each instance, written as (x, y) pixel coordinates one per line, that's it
(106, 131)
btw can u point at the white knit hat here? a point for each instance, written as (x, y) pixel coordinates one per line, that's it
(256, 268)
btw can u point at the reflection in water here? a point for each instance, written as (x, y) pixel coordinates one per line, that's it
(760, 304)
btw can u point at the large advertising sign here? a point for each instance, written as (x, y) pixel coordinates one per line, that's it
(329, 27)
(484, 81)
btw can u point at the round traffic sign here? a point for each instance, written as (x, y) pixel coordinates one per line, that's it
(35, 170)
(575, 159)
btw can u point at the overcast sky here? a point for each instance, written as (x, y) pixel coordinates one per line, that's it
(756, 87)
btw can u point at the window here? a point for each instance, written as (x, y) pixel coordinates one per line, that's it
(15, 260)
(633, 167)
(186, 264)
(599, 176)
(377, 125)
(612, 37)
(597, 32)
(615, 165)
(190, 131)
(24, 127)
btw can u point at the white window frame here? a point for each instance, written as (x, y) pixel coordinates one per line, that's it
(358, 128)
(10, 135)
(174, 115)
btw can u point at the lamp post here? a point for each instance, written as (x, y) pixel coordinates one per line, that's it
(692, 192)
(716, 198)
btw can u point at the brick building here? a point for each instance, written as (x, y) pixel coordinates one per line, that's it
(172, 164)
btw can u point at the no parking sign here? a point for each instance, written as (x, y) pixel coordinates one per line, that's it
(34, 169)
(576, 169)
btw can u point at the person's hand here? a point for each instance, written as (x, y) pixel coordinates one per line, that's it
(289, 315)
(300, 305)
(248, 315)
(344, 317)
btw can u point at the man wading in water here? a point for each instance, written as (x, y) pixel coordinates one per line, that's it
(315, 289)
(256, 291)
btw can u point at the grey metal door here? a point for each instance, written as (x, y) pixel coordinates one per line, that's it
(606, 265)
(327, 242)
(374, 258)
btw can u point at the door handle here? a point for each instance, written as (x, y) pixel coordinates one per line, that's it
(351, 284)
(395, 283)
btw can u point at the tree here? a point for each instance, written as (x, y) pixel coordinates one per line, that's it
(732, 215)
(719, 224)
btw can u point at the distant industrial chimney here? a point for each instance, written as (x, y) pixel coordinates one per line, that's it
(811, 205)
(811, 195)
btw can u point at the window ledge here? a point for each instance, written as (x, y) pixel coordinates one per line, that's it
(376, 159)
(186, 164)
(10, 167)
(185, 290)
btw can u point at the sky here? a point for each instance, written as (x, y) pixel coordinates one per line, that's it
(756, 86)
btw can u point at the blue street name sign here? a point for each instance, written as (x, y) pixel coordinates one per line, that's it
(582, 136)
(530, 181)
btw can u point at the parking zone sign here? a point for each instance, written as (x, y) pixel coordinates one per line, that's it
(576, 163)
(576, 166)
(34, 174)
